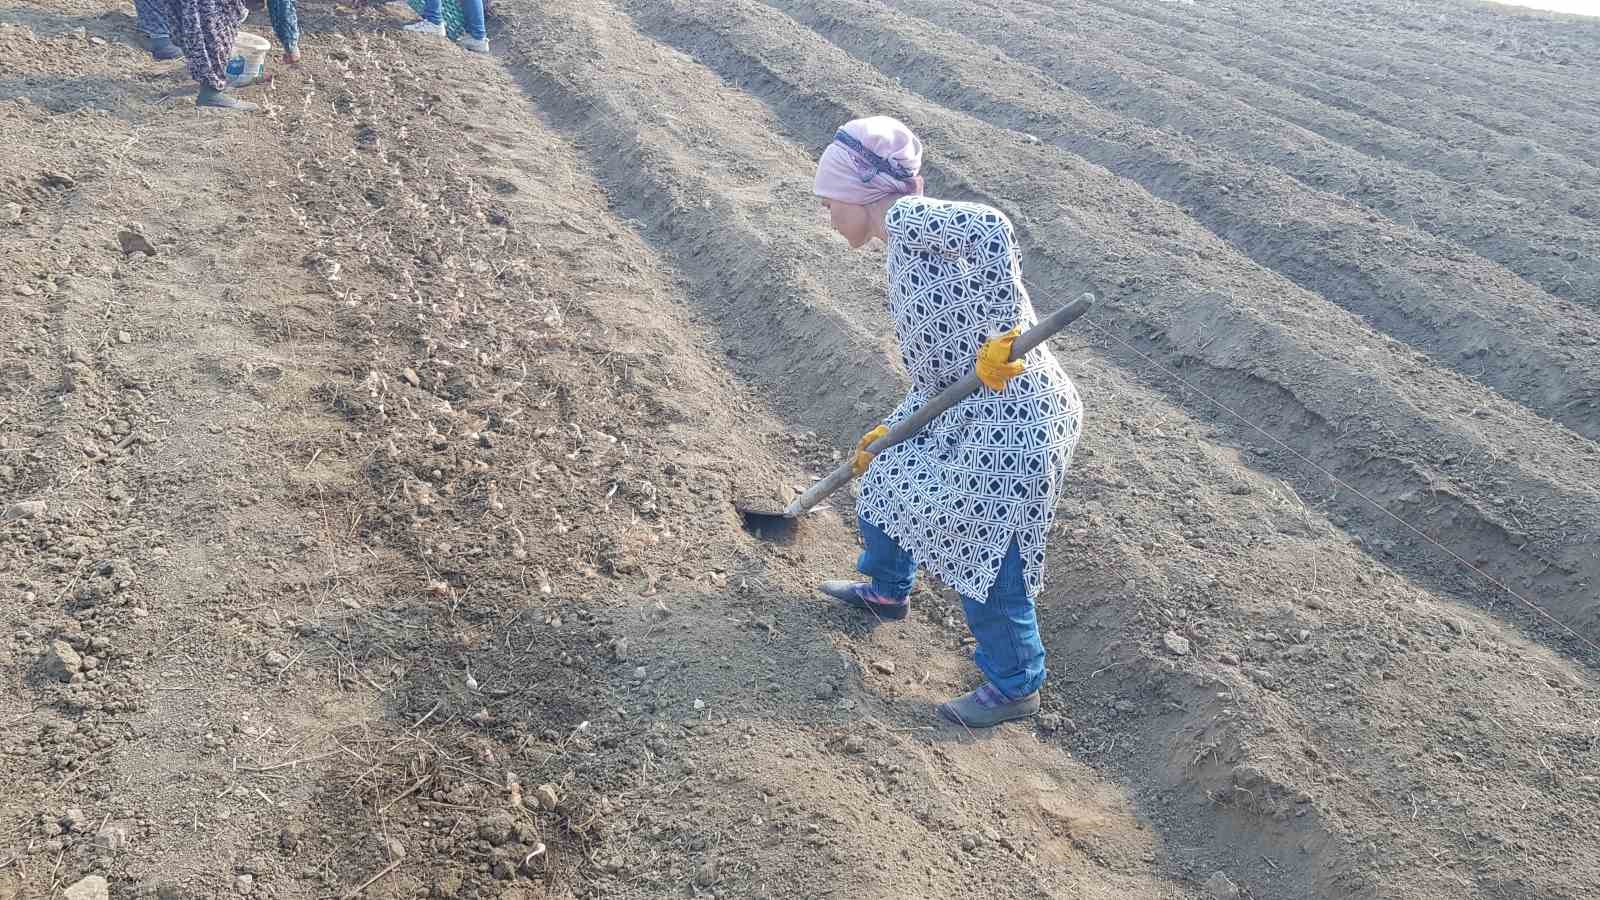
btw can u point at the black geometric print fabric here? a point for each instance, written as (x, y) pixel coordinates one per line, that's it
(990, 468)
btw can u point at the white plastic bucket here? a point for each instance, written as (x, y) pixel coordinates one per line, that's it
(249, 60)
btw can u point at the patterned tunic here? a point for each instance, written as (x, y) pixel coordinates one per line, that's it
(990, 468)
(206, 30)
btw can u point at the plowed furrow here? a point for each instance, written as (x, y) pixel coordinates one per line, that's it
(1433, 46)
(1554, 250)
(1223, 782)
(1427, 99)
(713, 193)
(1354, 402)
(1405, 283)
(1516, 37)
(1531, 172)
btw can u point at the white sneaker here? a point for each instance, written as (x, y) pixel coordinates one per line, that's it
(423, 26)
(476, 45)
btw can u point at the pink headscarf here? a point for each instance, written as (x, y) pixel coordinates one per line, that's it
(870, 159)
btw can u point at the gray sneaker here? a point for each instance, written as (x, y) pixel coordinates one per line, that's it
(986, 707)
(860, 595)
(476, 45)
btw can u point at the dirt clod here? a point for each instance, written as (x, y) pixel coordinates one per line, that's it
(112, 837)
(25, 509)
(133, 240)
(61, 662)
(548, 798)
(1052, 722)
(91, 887)
(496, 829)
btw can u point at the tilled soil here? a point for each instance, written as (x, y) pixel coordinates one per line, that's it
(367, 464)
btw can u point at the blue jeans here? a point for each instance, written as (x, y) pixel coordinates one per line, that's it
(471, 15)
(1010, 652)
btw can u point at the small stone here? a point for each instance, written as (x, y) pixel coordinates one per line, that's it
(11, 213)
(59, 179)
(94, 887)
(548, 798)
(291, 836)
(124, 338)
(393, 850)
(883, 667)
(1262, 677)
(62, 662)
(1221, 887)
(26, 509)
(133, 241)
(855, 744)
(275, 660)
(244, 884)
(1050, 723)
(73, 820)
(24, 290)
(969, 842)
(1176, 643)
(640, 673)
(619, 649)
(410, 375)
(1227, 659)
(112, 838)
(496, 829)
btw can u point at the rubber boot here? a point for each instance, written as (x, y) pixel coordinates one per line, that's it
(215, 99)
(986, 707)
(164, 49)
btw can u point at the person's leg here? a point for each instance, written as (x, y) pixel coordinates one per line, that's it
(432, 21)
(891, 569)
(472, 20)
(286, 25)
(1010, 653)
(206, 31)
(155, 27)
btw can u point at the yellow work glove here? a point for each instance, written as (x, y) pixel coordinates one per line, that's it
(995, 367)
(863, 458)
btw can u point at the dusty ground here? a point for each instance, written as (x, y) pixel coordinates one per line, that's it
(366, 463)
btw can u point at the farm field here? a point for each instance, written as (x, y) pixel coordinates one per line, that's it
(367, 463)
